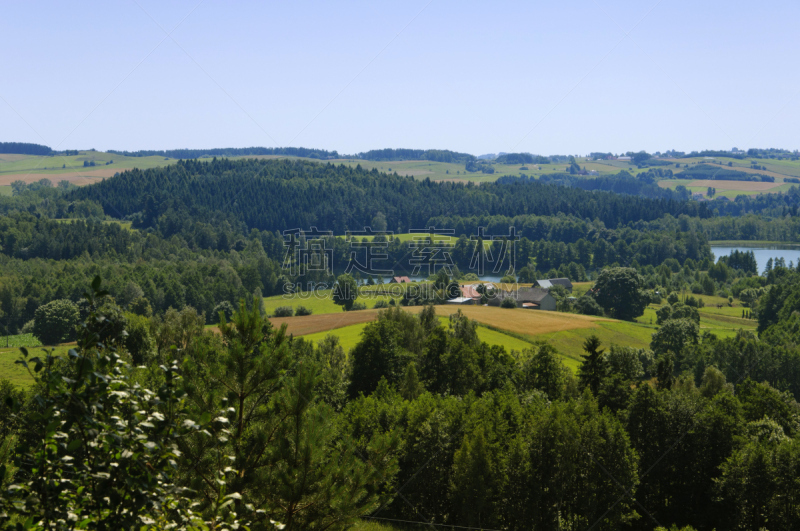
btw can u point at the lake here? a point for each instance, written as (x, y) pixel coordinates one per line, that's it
(790, 253)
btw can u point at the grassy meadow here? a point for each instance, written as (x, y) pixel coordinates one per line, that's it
(30, 168)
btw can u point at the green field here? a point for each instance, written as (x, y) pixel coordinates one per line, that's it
(61, 165)
(349, 336)
(17, 374)
(723, 322)
(442, 171)
(319, 302)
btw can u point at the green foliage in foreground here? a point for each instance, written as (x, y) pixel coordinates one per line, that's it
(238, 441)
(251, 426)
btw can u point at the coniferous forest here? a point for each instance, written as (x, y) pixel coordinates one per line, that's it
(174, 401)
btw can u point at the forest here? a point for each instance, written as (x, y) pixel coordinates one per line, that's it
(280, 194)
(438, 155)
(23, 148)
(180, 403)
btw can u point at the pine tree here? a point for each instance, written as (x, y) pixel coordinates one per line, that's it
(594, 368)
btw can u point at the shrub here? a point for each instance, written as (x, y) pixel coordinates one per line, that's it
(283, 311)
(27, 328)
(302, 310)
(508, 302)
(357, 306)
(588, 306)
(381, 303)
(55, 322)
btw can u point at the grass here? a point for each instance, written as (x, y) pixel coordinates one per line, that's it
(319, 302)
(518, 320)
(729, 189)
(312, 324)
(723, 321)
(349, 336)
(52, 165)
(17, 374)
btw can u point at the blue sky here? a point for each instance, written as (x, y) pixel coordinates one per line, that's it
(549, 78)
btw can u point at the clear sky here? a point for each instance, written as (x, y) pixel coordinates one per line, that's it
(480, 77)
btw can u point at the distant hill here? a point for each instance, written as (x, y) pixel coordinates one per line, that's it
(275, 194)
(721, 173)
(23, 148)
(231, 152)
(521, 158)
(436, 155)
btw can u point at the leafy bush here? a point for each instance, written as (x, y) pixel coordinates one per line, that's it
(227, 310)
(357, 306)
(381, 303)
(55, 322)
(27, 328)
(283, 311)
(111, 474)
(508, 302)
(302, 310)
(588, 306)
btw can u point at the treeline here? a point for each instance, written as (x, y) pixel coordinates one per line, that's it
(746, 227)
(276, 194)
(521, 158)
(772, 153)
(721, 173)
(643, 185)
(231, 152)
(775, 205)
(437, 155)
(23, 148)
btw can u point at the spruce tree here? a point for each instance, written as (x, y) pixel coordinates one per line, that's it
(594, 368)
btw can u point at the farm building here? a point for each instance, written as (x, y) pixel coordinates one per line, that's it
(548, 283)
(530, 298)
(470, 292)
(462, 300)
(400, 280)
